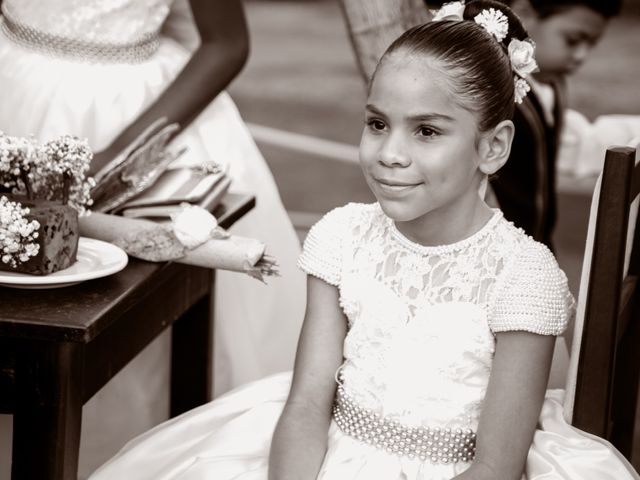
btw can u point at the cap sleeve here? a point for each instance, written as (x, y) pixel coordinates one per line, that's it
(533, 296)
(321, 253)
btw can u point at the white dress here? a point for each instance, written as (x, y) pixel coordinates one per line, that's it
(419, 349)
(45, 94)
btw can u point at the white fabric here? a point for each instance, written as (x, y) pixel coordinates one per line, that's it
(584, 143)
(100, 21)
(418, 350)
(256, 325)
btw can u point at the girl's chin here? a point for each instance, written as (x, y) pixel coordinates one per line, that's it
(398, 212)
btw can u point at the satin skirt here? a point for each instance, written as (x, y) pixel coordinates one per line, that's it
(230, 438)
(257, 325)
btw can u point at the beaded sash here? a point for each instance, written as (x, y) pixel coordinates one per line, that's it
(434, 444)
(55, 45)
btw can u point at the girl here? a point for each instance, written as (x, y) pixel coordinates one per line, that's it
(105, 71)
(430, 319)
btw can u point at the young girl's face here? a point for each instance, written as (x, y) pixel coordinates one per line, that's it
(418, 148)
(564, 39)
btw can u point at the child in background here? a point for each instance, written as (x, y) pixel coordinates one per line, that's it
(564, 32)
(430, 319)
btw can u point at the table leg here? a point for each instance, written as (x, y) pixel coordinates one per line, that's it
(48, 412)
(192, 356)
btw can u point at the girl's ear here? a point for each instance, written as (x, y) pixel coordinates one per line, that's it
(495, 147)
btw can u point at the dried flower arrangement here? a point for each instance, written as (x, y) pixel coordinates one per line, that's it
(47, 189)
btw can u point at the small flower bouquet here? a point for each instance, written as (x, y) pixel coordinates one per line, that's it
(47, 189)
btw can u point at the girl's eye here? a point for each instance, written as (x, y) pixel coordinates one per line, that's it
(427, 132)
(375, 124)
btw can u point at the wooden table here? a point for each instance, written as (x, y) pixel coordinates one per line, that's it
(58, 347)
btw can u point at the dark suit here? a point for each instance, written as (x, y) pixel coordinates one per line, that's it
(526, 186)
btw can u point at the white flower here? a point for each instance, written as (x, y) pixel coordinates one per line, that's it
(17, 233)
(193, 225)
(521, 90)
(521, 56)
(449, 11)
(493, 21)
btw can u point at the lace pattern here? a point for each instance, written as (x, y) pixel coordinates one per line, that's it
(422, 319)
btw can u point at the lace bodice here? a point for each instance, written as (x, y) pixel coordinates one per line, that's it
(422, 319)
(99, 21)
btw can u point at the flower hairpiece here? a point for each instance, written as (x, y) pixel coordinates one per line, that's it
(493, 21)
(520, 52)
(521, 55)
(522, 87)
(449, 11)
(523, 64)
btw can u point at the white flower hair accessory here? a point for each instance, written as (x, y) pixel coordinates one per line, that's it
(521, 56)
(493, 21)
(449, 11)
(522, 88)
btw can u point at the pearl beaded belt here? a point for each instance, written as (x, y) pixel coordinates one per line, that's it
(55, 45)
(435, 444)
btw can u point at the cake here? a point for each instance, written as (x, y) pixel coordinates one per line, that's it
(57, 239)
(39, 229)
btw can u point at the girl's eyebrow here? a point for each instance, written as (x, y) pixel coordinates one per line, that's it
(372, 108)
(423, 117)
(431, 116)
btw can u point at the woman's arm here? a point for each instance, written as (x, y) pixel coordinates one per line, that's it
(300, 439)
(223, 51)
(512, 405)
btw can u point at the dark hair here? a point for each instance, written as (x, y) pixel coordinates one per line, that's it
(476, 63)
(547, 8)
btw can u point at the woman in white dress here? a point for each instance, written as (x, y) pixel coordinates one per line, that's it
(105, 70)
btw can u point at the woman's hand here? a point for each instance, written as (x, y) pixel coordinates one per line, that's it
(100, 159)
(223, 51)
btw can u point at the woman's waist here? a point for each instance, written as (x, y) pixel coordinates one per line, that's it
(136, 48)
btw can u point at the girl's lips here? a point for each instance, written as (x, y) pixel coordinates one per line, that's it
(395, 187)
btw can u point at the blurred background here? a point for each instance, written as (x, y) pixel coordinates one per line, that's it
(302, 78)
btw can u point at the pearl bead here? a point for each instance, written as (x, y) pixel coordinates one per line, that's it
(438, 445)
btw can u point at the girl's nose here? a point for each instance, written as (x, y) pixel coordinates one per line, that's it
(393, 153)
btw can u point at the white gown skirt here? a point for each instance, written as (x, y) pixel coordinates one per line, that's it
(230, 438)
(257, 325)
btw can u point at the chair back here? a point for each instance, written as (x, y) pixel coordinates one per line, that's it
(602, 383)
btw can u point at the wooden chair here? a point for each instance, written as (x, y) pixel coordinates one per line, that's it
(602, 383)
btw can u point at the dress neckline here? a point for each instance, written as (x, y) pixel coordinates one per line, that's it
(446, 248)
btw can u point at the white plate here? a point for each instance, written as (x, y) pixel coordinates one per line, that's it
(95, 259)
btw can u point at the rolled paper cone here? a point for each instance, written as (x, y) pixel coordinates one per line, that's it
(232, 253)
(239, 254)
